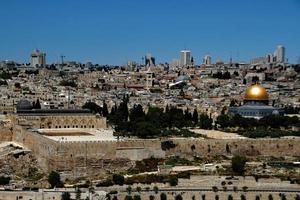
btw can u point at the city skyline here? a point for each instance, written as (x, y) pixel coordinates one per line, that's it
(115, 32)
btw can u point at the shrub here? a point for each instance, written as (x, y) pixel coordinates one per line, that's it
(173, 180)
(118, 179)
(163, 196)
(4, 180)
(238, 164)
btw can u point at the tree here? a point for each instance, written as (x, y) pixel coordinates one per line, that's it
(215, 188)
(128, 197)
(163, 196)
(178, 197)
(118, 179)
(54, 179)
(282, 196)
(238, 164)
(138, 189)
(36, 105)
(115, 198)
(243, 197)
(78, 194)
(136, 197)
(195, 117)
(151, 197)
(136, 113)
(205, 121)
(93, 107)
(270, 197)
(223, 121)
(155, 189)
(129, 189)
(173, 180)
(104, 110)
(65, 196)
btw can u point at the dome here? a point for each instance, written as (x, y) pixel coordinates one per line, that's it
(24, 105)
(182, 78)
(256, 93)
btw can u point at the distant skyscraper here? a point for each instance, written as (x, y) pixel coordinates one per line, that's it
(269, 58)
(149, 60)
(37, 58)
(279, 54)
(207, 60)
(185, 58)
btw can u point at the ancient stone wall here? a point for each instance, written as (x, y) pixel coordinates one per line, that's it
(83, 158)
(6, 134)
(250, 147)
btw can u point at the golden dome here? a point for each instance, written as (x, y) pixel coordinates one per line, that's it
(256, 93)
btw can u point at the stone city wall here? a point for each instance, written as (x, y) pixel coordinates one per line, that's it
(83, 158)
(250, 147)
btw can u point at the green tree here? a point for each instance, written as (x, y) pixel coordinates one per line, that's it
(128, 197)
(129, 189)
(104, 110)
(138, 189)
(243, 197)
(155, 189)
(146, 130)
(270, 197)
(54, 179)
(223, 121)
(151, 197)
(78, 194)
(65, 196)
(195, 117)
(173, 180)
(163, 196)
(118, 179)
(238, 164)
(136, 113)
(4, 180)
(282, 196)
(178, 197)
(93, 107)
(205, 121)
(136, 197)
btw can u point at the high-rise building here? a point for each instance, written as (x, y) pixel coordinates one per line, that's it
(37, 58)
(279, 54)
(207, 60)
(185, 58)
(149, 60)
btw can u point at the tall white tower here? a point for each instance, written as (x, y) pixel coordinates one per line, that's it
(280, 54)
(185, 58)
(207, 60)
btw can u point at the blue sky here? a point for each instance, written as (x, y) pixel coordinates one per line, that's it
(114, 31)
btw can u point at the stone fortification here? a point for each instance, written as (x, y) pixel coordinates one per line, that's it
(86, 157)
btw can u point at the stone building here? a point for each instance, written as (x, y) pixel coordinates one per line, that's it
(58, 118)
(256, 102)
